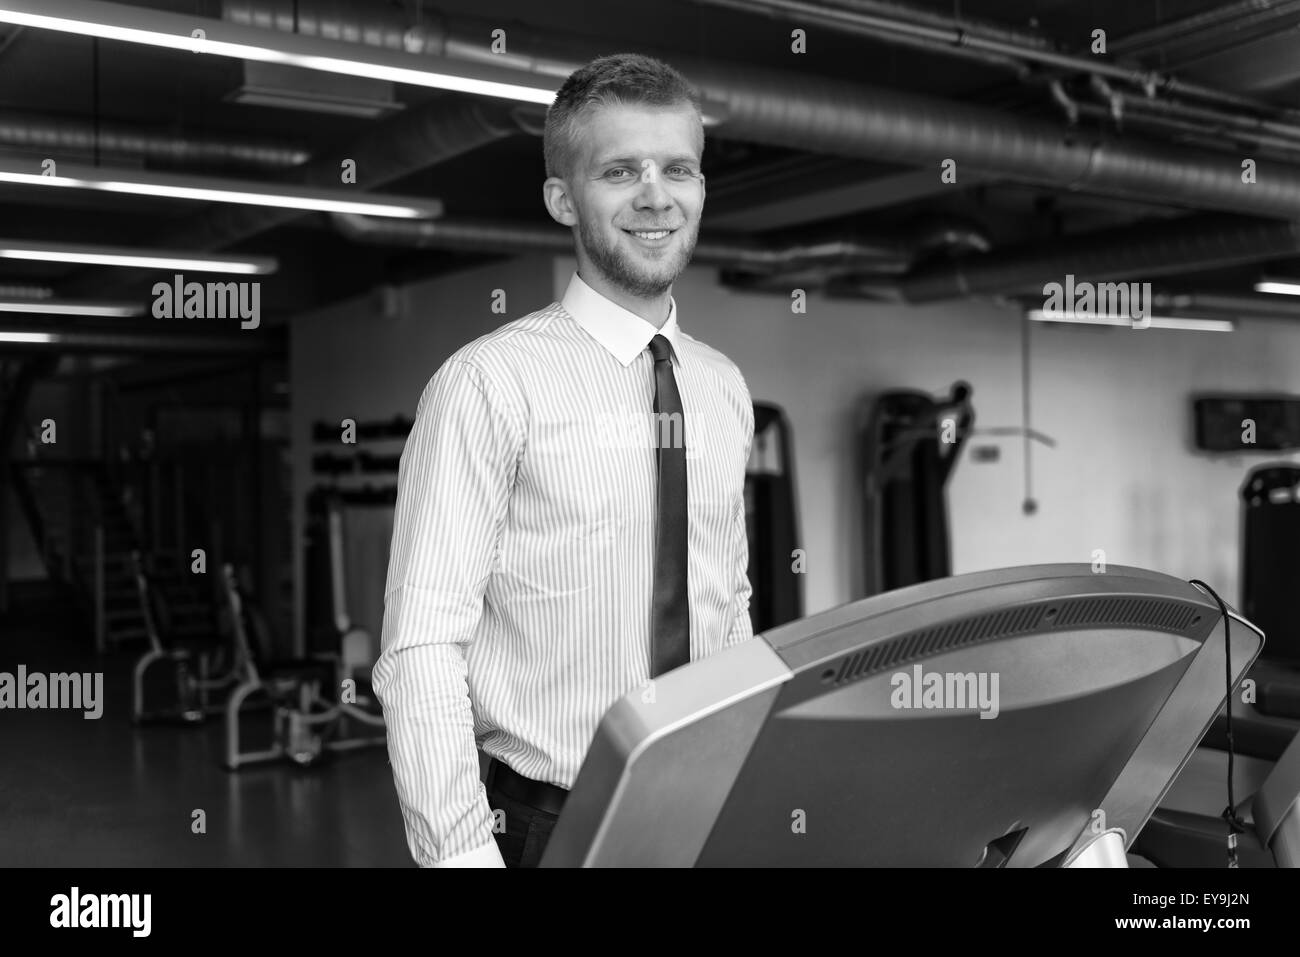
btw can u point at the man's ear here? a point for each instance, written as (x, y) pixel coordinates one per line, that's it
(555, 196)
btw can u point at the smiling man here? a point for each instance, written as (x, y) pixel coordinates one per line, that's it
(542, 567)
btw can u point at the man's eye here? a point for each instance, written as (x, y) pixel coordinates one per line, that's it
(675, 172)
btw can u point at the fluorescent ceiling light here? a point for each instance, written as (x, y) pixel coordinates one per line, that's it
(1156, 322)
(71, 307)
(214, 190)
(1279, 286)
(91, 255)
(28, 337)
(178, 31)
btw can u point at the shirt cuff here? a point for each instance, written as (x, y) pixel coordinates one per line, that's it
(486, 855)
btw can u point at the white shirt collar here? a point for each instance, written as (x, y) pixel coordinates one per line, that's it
(625, 334)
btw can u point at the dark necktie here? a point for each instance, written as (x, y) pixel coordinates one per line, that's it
(670, 620)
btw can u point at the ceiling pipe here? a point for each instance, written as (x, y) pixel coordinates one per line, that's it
(957, 37)
(736, 252)
(958, 40)
(1130, 252)
(905, 32)
(412, 140)
(972, 26)
(1209, 29)
(390, 28)
(842, 118)
(1201, 132)
(774, 107)
(56, 136)
(485, 235)
(949, 234)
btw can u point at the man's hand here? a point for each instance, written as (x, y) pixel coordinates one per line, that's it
(487, 855)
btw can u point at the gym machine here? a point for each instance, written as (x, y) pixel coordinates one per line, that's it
(911, 442)
(329, 619)
(313, 700)
(192, 656)
(771, 522)
(1107, 683)
(1189, 830)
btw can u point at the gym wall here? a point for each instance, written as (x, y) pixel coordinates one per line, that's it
(1123, 477)
(354, 360)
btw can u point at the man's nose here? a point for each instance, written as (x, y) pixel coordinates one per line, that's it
(652, 192)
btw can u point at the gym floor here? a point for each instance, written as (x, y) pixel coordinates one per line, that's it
(88, 793)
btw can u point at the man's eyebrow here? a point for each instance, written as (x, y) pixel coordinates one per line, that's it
(682, 158)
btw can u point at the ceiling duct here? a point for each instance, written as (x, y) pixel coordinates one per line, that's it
(54, 136)
(1130, 252)
(775, 107)
(843, 118)
(852, 252)
(413, 140)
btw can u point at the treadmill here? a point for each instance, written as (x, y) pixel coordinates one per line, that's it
(1190, 827)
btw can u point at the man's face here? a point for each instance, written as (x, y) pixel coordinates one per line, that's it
(637, 170)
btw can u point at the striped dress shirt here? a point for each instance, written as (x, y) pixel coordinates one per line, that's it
(518, 600)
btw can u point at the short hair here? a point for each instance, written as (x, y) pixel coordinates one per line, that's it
(619, 79)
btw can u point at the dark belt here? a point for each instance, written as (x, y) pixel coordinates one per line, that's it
(537, 794)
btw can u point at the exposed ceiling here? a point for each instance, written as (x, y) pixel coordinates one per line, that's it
(1238, 63)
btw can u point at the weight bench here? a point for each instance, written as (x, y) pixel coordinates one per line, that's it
(310, 710)
(204, 652)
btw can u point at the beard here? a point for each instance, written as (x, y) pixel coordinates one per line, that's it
(641, 277)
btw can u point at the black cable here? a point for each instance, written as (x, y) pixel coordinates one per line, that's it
(1235, 824)
(1028, 505)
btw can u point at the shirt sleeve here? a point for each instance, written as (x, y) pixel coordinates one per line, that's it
(485, 855)
(742, 628)
(453, 487)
